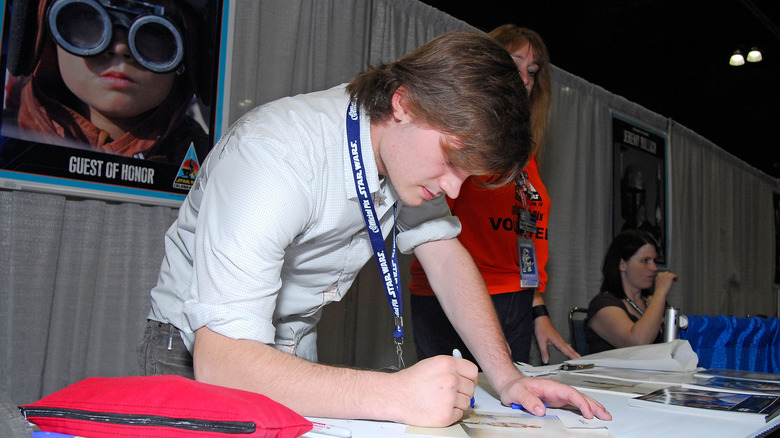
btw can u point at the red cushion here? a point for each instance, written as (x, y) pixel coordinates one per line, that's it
(162, 406)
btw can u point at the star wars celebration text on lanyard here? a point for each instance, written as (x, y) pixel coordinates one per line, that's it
(390, 275)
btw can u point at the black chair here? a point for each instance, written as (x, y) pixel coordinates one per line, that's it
(577, 329)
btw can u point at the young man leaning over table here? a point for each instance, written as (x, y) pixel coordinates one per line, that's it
(275, 228)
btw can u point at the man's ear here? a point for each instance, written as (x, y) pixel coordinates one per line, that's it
(399, 104)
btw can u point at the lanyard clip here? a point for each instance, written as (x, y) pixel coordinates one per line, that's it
(400, 352)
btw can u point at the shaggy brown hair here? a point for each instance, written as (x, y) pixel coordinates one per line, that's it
(466, 86)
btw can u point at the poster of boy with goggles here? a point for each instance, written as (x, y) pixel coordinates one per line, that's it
(110, 97)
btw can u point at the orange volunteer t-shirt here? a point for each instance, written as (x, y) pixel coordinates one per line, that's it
(488, 217)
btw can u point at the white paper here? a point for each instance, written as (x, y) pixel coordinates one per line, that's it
(577, 421)
(676, 355)
(532, 371)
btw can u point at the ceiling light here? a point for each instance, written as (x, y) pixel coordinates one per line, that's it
(754, 55)
(737, 59)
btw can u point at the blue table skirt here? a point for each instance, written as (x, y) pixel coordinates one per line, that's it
(750, 344)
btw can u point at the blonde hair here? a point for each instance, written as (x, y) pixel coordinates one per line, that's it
(513, 38)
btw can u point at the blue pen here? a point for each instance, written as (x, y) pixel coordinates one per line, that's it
(456, 354)
(40, 434)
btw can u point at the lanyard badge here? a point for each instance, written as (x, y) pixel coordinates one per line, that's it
(529, 274)
(391, 278)
(525, 228)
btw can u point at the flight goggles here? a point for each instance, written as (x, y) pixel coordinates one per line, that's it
(85, 28)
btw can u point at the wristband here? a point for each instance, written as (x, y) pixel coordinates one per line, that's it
(540, 310)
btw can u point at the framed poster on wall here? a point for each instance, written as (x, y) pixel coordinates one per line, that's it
(640, 182)
(109, 99)
(776, 202)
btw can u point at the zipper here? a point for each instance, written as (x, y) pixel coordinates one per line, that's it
(229, 427)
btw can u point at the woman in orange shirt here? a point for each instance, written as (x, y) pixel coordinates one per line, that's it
(498, 226)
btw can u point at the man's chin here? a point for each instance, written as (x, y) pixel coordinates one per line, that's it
(415, 201)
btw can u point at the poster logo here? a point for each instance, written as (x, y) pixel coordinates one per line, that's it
(188, 170)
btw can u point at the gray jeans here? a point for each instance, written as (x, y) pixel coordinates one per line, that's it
(162, 351)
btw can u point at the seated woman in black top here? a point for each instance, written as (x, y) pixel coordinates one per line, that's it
(630, 308)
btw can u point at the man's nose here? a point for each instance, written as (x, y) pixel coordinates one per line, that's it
(452, 183)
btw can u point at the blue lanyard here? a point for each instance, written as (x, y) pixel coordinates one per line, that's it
(390, 276)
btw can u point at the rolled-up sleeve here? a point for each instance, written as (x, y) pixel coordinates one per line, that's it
(428, 222)
(255, 204)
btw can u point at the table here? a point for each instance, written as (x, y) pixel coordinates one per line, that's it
(628, 422)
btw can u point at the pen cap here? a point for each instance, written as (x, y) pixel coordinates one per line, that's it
(670, 324)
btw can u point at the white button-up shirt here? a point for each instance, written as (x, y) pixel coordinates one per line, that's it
(272, 229)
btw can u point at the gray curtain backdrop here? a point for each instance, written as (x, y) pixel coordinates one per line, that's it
(75, 274)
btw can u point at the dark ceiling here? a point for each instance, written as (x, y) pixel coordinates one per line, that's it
(670, 56)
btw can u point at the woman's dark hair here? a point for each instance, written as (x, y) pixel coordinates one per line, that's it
(623, 247)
